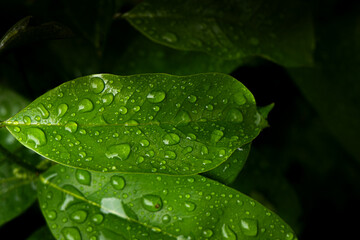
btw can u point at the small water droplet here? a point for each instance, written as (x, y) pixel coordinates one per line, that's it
(140, 159)
(43, 111)
(234, 115)
(83, 177)
(17, 129)
(190, 206)
(120, 151)
(207, 233)
(170, 155)
(209, 107)
(62, 109)
(192, 98)
(249, 227)
(107, 99)
(171, 139)
(289, 236)
(58, 137)
(79, 216)
(123, 110)
(169, 37)
(85, 105)
(166, 218)
(144, 143)
(183, 116)
(71, 127)
(136, 108)
(227, 233)
(71, 233)
(152, 203)
(97, 84)
(156, 97)
(97, 218)
(51, 215)
(204, 150)
(36, 136)
(117, 182)
(27, 120)
(239, 99)
(216, 135)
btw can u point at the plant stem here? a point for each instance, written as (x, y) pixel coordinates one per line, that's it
(17, 160)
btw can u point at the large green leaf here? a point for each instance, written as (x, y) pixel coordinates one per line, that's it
(227, 172)
(141, 123)
(78, 204)
(280, 31)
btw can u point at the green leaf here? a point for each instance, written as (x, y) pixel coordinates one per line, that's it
(42, 233)
(141, 123)
(133, 206)
(280, 31)
(332, 86)
(227, 172)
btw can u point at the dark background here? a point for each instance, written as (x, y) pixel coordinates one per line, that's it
(299, 166)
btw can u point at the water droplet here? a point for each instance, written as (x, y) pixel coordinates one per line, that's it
(166, 218)
(62, 109)
(239, 99)
(156, 108)
(123, 110)
(43, 111)
(183, 116)
(136, 108)
(27, 120)
(120, 151)
(152, 203)
(144, 143)
(51, 214)
(58, 137)
(216, 135)
(140, 159)
(191, 136)
(249, 227)
(36, 136)
(204, 150)
(71, 127)
(97, 218)
(83, 177)
(171, 139)
(85, 105)
(227, 233)
(235, 115)
(117, 182)
(207, 233)
(17, 129)
(156, 97)
(192, 98)
(209, 107)
(170, 155)
(97, 85)
(169, 37)
(79, 216)
(131, 123)
(289, 236)
(71, 233)
(190, 206)
(107, 99)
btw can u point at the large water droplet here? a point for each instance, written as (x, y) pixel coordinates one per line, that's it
(117, 182)
(190, 206)
(43, 111)
(156, 97)
(120, 151)
(169, 37)
(97, 85)
(227, 233)
(71, 127)
(62, 109)
(85, 105)
(170, 155)
(216, 135)
(171, 139)
(71, 233)
(70, 199)
(152, 203)
(239, 99)
(79, 216)
(289, 236)
(83, 177)
(249, 227)
(117, 207)
(234, 115)
(36, 136)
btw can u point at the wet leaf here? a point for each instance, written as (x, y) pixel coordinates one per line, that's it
(42, 233)
(133, 206)
(227, 172)
(141, 123)
(280, 31)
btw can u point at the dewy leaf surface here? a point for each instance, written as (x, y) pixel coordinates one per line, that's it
(85, 205)
(141, 123)
(278, 30)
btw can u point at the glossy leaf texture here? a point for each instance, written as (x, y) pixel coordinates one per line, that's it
(79, 204)
(280, 31)
(141, 123)
(227, 172)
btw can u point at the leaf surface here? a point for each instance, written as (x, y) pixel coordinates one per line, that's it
(42, 233)
(133, 206)
(280, 31)
(141, 123)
